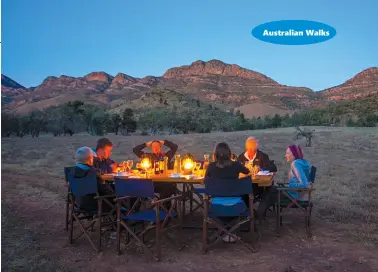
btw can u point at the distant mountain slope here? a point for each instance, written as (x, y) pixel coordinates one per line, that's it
(7, 82)
(226, 86)
(362, 84)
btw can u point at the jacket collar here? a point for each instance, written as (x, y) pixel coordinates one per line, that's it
(253, 158)
(83, 166)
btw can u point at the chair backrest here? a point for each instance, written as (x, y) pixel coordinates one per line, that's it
(67, 172)
(134, 187)
(228, 187)
(312, 174)
(83, 186)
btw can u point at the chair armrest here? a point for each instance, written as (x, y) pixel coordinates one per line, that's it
(155, 202)
(105, 196)
(122, 198)
(293, 189)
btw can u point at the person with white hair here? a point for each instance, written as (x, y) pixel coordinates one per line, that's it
(84, 157)
(255, 156)
(84, 167)
(258, 158)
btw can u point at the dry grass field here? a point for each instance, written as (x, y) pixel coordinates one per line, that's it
(345, 219)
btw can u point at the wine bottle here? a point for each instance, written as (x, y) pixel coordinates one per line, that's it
(157, 167)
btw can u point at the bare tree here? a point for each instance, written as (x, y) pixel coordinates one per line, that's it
(308, 134)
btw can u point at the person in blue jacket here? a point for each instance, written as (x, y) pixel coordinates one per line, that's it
(299, 173)
(299, 177)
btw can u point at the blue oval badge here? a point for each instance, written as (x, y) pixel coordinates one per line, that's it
(293, 32)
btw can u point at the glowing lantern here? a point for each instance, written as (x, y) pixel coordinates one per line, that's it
(188, 164)
(145, 163)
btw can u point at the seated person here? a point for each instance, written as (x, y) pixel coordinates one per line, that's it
(299, 176)
(299, 173)
(165, 190)
(257, 157)
(157, 153)
(224, 168)
(102, 162)
(84, 163)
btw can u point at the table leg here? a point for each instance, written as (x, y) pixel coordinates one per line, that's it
(183, 199)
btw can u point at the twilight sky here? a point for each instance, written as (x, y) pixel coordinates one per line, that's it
(43, 38)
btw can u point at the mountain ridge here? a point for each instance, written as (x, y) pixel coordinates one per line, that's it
(227, 85)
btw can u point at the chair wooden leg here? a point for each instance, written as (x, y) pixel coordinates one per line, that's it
(158, 249)
(204, 236)
(178, 208)
(278, 215)
(143, 236)
(70, 234)
(309, 232)
(67, 214)
(205, 227)
(86, 234)
(118, 230)
(99, 223)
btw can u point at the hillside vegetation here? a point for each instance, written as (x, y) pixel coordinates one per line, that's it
(164, 111)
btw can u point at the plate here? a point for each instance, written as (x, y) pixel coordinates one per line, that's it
(263, 173)
(175, 176)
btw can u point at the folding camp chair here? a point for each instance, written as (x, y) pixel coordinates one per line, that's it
(67, 171)
(212, 212)
(286, 201)
(82, 187)
(157, 216)
(199, 192)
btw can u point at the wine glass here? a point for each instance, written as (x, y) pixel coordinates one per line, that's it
(206, 157)
(207, 161)
(130, 164)
(197, 168)
(123, 166)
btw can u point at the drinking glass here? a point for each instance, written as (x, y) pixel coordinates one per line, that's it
(206, 157)
(130, 164)
(150, 172)
(206, 162)
(197, 168)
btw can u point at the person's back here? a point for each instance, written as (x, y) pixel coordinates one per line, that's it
(86, 202)
(230, 171)
(84, 167)
(224, 168)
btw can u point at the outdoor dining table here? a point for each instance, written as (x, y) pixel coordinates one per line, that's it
(187, 181)
(261, 181)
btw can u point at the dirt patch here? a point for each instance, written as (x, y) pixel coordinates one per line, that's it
(345, 216)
